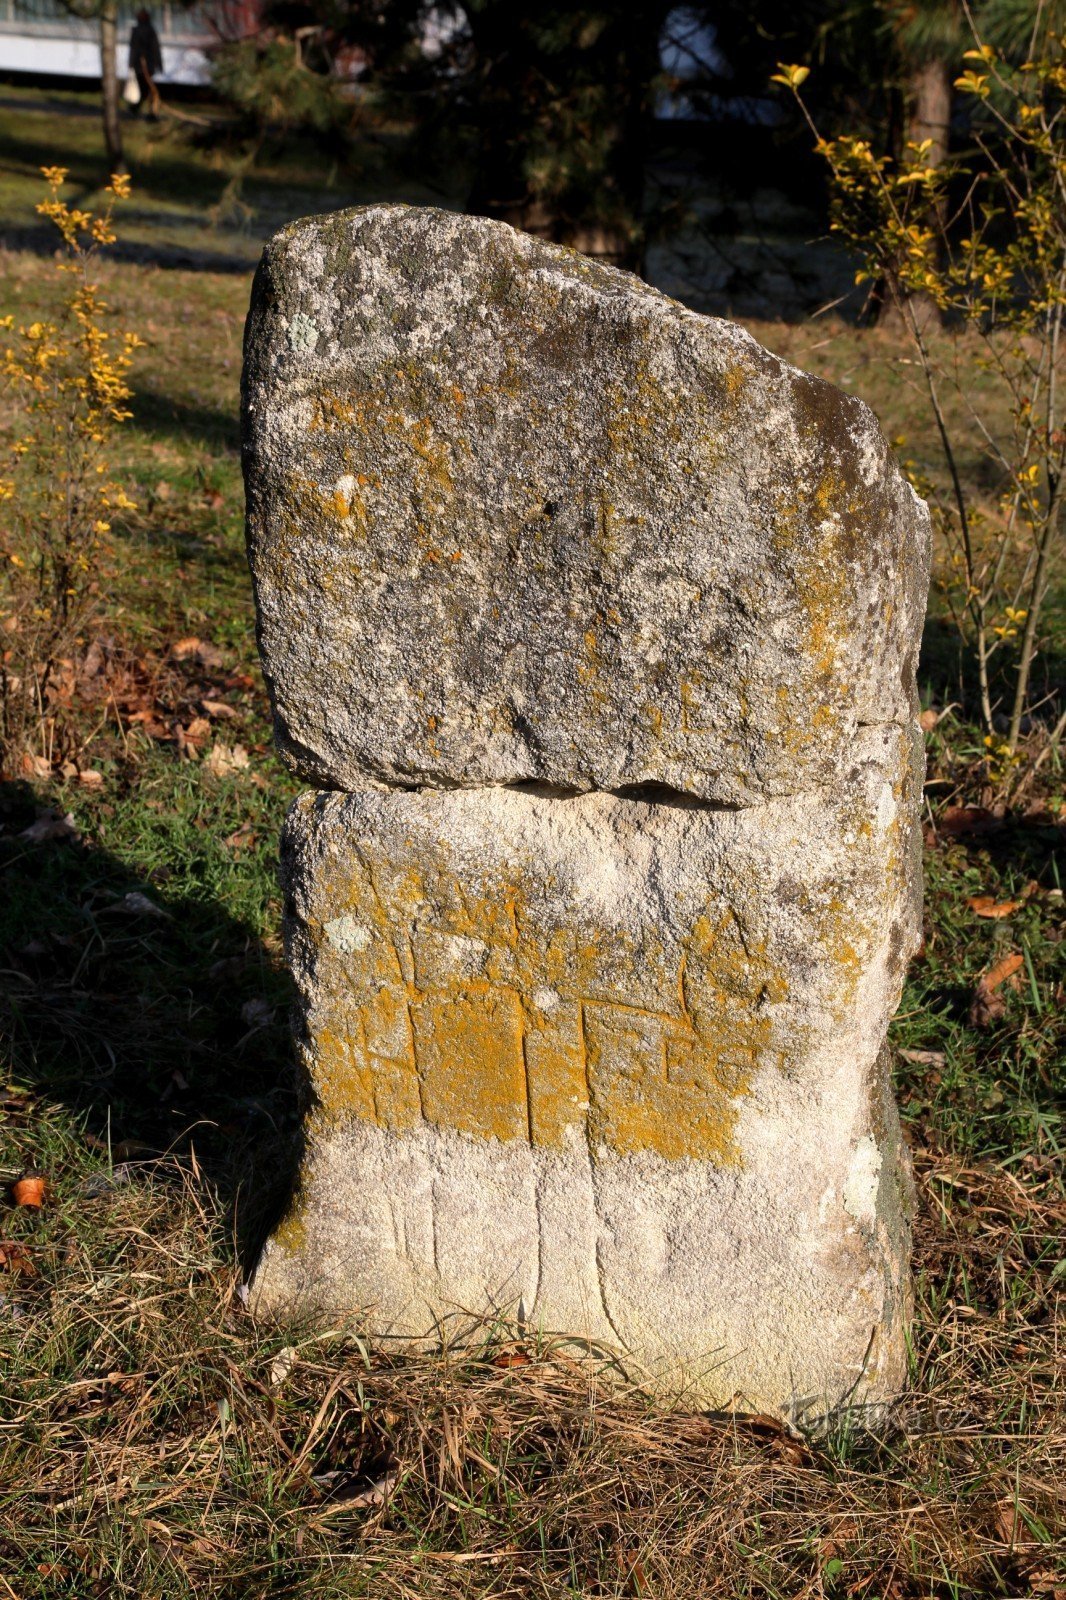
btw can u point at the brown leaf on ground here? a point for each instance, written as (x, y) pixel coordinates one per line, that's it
(50, 825)
(36, 767)
(139, 905)
(257, 1013)
(244, 838)
(17, 1259)
(958, 820)
(149, 723)
(29, 1190)
(189, 737)
(983, 905)
(923, 1058)
(1011, 1526)
(91, 779)
(197, 651)
(928, 720)
(1004, 968)
(217, 708)
(1045, 1581)
(988, 1005)
(223, 760)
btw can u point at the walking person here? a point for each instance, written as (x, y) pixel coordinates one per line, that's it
(146, 61)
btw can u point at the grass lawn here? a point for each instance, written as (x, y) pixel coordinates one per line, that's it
(156, 1440)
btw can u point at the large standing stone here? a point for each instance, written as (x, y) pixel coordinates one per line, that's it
(608, 618)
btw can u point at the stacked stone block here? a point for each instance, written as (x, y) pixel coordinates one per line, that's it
(594, 626)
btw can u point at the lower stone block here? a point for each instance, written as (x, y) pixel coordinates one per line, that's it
(613, 1064)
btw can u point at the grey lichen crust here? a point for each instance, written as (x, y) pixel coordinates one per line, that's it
(515, 516)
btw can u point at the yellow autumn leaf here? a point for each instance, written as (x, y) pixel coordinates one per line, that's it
(791, 76)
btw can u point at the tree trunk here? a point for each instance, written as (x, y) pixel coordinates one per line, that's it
(930, 109)
(109, 84)
(928, 117)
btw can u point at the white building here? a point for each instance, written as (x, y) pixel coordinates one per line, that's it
(41, 36)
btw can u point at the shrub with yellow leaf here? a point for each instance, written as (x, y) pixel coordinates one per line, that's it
(975, 250)
(66, 388)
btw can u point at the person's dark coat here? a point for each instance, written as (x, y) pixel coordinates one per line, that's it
(146, 57)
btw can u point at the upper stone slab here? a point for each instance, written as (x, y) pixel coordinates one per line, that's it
(516, 516)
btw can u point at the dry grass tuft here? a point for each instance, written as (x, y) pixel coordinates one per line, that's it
(154, 1440)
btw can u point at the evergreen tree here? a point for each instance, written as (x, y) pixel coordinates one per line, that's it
(561, 99)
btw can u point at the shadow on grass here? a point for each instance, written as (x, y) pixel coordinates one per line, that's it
(161, 415)
(159, 1020)
(41, 241)
(947, 669)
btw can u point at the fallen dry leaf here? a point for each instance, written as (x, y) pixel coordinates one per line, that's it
(967, 819)
(1004, 968)
(217, 708)
(1011, 1525)
(244, 838)
(16, 1258)
(988, 1005)
(924, 1058)
(1046, 1581)
(28, 1190)
(50, 825)
(91, 779)
(983, 905)
(928, 720)
(198, 651)
(511, 1358)
(139, 905)
(257, 1013)
(282, 1365)
(223, 760)
(36, 767)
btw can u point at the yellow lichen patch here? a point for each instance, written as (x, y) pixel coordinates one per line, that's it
(557, 1087)
(344, 1076)
(694, 716)
(654, 1085)
(480, 1012)
(808, 538)
(735, 378)
(468, 1046)
(290, 1234)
